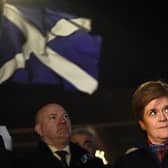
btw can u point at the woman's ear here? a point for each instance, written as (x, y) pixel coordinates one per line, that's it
(142, 125)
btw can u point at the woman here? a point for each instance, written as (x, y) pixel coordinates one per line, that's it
(150, 105)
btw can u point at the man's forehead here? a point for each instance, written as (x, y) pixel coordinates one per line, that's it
(51, 109)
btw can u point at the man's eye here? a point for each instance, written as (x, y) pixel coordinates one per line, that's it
(52, 117)
(66, 115)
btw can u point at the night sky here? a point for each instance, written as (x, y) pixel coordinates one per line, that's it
(134, 50)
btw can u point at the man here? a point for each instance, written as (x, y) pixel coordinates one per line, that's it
(53, 125)
(86, 138)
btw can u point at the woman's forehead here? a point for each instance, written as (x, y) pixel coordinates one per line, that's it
(158, 101)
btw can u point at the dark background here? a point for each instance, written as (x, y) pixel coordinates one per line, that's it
(134, 50)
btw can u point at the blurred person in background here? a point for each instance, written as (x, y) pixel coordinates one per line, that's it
(86, 138)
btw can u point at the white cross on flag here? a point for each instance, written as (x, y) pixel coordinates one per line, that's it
(48, 47)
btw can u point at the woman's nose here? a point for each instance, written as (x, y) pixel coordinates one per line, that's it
(162, 116)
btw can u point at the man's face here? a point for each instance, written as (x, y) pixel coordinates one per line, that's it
(85, 141)
(53, 124)
(155, 120)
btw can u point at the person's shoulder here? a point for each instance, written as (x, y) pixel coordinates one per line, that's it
(131, 158)
(32, 158)
(77, 148)
(85, 158)
(79, 153)
(133, 153)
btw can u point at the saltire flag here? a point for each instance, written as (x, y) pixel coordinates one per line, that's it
(48, 47)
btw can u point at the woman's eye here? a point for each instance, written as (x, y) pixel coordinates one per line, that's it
(152, 113)
(166, 109)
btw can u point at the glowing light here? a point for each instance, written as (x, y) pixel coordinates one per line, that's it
(100, 154)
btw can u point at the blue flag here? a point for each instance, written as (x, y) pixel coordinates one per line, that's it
(48, 47)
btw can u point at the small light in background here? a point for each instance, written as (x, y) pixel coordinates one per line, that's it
(100, 154)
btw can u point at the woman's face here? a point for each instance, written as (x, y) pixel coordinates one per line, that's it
(155, 120)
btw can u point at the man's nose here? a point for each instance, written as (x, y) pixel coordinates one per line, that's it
(62, 119)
